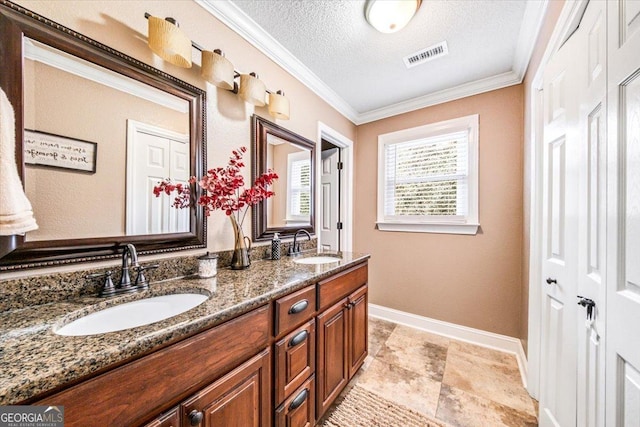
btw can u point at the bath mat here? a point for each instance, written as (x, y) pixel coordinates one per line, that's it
(361, 408)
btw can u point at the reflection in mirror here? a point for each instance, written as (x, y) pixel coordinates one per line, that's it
(141, 135)
(95, 131)
(292, 203)
(291, 156)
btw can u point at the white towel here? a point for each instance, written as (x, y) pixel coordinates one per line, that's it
(16, 215)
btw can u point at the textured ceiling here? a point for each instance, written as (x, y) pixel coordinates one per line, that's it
(329, 47)
(365, 67)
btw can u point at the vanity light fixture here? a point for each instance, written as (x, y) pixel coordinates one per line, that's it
(279, 105)
(389, 16)
(16, 213)
(169, 42)
(252, 89)
(217, 69)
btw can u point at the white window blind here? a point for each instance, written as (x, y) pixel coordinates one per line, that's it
(299, 187)
(427, 177)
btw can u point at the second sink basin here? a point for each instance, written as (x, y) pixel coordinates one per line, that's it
(132, 314)
(317, 260)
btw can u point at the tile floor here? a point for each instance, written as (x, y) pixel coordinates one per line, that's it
(462, 384)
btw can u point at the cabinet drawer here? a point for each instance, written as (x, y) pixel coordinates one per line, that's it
(294, 309)
(169, 419)
(295, 360)
(341, 285)
(299, 409)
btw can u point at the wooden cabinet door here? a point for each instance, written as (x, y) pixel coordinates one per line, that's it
(295, 360)
(357, 330)
(331, 366)
(242, 398)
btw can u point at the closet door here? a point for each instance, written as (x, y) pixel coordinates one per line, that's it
(623, 226)
(559, 242)
(591, 275)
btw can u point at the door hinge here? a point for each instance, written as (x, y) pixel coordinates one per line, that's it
(339, 225)
(340, 166)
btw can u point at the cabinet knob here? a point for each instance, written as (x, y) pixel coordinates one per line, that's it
(299, 399)
(299, 306)
(195, 417)
(550, 281)
(298, 338)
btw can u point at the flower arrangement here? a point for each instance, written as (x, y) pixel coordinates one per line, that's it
(223, 189)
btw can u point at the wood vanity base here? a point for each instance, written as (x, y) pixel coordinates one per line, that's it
(282, 364)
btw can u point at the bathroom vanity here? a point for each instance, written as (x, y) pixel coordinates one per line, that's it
(273, 345)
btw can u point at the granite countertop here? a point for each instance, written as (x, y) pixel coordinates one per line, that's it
(34, 359)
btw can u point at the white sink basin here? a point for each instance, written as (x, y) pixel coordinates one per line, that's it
(317, 260)
(132, 314)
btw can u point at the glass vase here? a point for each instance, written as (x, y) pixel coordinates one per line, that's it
(242, 245)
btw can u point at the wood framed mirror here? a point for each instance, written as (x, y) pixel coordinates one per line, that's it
(70, 92)
(292, 157)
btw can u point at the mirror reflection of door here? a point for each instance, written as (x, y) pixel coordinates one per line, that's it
(71, 97)
(330, 197)
(154, 154)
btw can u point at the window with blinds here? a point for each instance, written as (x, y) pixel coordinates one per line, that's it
(428, 176)
(299, 186)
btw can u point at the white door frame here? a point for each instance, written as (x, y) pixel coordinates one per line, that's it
(346, 183)
(569, 16)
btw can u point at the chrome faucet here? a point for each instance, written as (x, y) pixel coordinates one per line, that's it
(129, 261)
(294, 248)
(129, 256)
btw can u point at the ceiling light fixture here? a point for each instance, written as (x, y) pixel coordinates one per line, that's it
(389, 16)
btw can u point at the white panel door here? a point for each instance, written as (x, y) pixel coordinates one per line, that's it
(623, 214)
(560, 234)
(154, 154)
(329, 196)
(591, 281)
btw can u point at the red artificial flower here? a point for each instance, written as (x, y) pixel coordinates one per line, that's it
(223, 188)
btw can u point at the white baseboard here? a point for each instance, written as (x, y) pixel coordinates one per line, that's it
(458, 332)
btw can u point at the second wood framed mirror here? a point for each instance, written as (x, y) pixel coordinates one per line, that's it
(292, 157)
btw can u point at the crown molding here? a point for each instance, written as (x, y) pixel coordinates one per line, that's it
(233, 17)
(462, 91)
(531, 24)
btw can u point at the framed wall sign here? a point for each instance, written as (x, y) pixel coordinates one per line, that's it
(46, 149)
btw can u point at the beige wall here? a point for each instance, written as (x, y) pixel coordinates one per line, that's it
(122, 26)
(468, 280)
(553, 11)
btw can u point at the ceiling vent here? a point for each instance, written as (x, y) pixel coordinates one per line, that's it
(425, 55)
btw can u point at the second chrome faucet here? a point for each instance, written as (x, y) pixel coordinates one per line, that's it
(294, 248)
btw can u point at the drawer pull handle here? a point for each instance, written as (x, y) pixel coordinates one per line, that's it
(299, 306)
(298, 338)
(195, 417)
(299, 399)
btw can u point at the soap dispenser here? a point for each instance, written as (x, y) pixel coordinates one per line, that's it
(275, 246)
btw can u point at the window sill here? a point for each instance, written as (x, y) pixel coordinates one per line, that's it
(442, 228)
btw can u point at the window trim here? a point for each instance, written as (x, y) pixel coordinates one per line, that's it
(467, 225)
